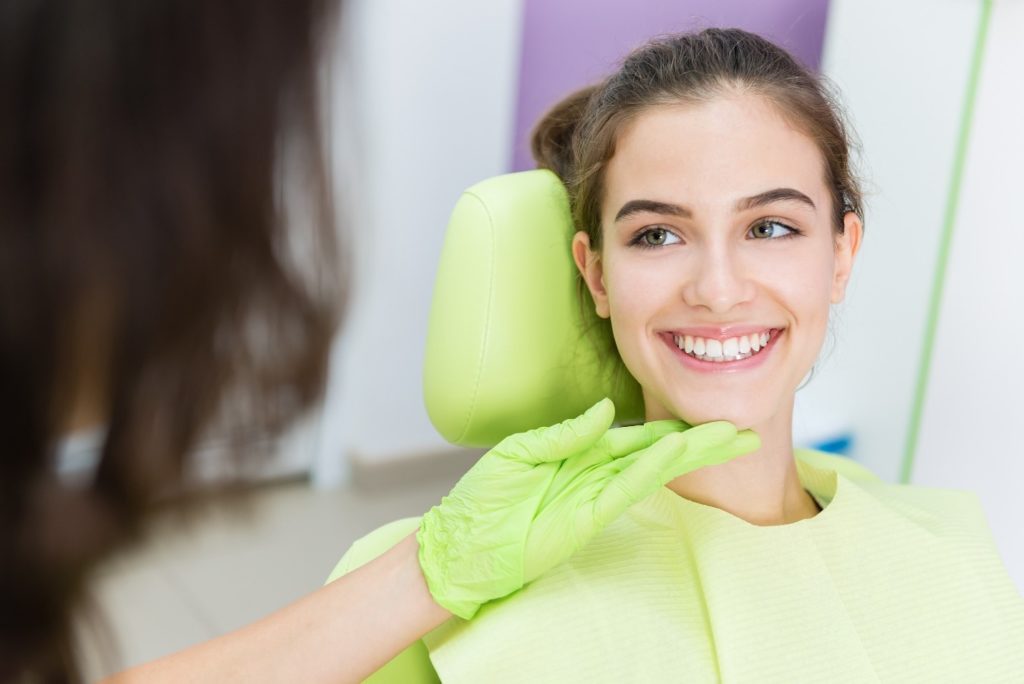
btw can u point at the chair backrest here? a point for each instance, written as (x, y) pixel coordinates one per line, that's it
(513, 341)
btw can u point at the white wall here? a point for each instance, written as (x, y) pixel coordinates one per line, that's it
(968, 437)
(902, 87)
(433, 86)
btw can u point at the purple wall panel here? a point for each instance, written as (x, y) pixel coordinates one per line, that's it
(567, 44)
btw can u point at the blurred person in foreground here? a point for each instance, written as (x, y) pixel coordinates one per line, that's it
(144, 270)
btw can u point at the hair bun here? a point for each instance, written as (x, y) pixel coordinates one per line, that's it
(551, 141)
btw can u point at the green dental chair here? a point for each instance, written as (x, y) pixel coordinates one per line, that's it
(513, 342)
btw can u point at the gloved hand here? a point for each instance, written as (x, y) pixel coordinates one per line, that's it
(537, 497)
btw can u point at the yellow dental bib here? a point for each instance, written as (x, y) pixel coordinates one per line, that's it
(889, 583)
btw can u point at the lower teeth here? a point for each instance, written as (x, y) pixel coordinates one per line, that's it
(719, 359)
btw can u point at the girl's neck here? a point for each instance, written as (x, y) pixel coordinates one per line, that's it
(761, 487)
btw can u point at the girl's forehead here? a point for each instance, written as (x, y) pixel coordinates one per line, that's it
(729, 146)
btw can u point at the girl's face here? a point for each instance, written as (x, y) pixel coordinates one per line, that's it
(719, 260)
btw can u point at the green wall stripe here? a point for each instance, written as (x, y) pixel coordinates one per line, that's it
(952, 203)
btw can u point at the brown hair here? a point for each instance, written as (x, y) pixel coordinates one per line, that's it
(576, 139)
(144, 263)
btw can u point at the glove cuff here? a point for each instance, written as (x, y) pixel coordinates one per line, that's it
(434, 545)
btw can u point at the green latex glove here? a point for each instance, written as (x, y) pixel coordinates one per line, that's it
(537, 497)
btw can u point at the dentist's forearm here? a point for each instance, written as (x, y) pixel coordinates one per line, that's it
(343, 632)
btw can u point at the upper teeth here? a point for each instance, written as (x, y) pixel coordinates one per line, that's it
(732, 349)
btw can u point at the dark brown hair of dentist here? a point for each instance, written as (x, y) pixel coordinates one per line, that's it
(146, 273)
(576, 138)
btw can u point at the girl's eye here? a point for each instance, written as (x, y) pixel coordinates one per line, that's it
(654, 237)
(773, 230)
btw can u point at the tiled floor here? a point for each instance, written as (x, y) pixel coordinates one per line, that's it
(195, 580)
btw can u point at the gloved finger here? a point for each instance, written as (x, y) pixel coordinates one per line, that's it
(643, 476)
(702, 451)
(719, 449)
(744, 443)
(709, 434)
(619, 442)
(565, 439)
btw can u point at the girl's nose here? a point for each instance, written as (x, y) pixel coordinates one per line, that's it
(719, 282)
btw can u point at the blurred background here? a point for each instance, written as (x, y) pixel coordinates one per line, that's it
(918, 380)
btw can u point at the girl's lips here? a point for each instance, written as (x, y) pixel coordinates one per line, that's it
(724, 366)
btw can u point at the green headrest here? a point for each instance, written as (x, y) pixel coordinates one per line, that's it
(511, 344)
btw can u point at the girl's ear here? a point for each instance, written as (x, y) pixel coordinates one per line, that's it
(847, 246)
(589, 264)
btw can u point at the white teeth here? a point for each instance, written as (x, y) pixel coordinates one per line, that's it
(720, 351)
(731, 347)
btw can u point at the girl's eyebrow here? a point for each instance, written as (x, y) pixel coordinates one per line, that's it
(771, 196)
(761, 199)
(643, 206)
